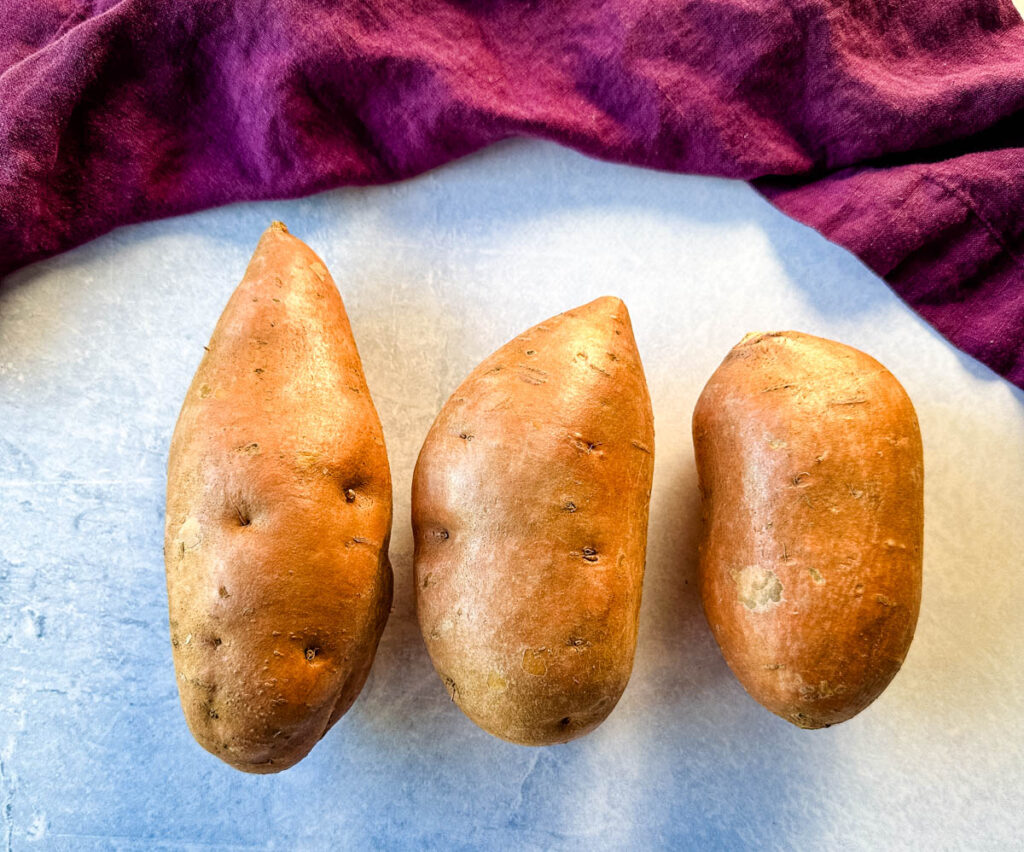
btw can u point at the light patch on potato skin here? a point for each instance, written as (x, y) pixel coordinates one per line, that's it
(810, 468)
(757, 588)
(534, 662)
(530, 502)
(278, 518)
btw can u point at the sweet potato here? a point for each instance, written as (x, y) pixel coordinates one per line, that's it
(278, 518)
(530, 501)
(811, 479)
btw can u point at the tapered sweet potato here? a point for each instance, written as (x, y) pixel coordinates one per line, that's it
(811, 477)
(530, 501)
(278, 518)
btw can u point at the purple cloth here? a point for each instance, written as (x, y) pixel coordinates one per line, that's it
(894, 127)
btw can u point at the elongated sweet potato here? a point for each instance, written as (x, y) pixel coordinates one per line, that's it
(530, 501)
(811, 477)
(278, 518)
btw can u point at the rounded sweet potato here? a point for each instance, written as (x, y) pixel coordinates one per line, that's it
(278, 518)
(529, 507)
(811, 477)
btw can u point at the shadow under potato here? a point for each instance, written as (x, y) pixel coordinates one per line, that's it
(683, 716)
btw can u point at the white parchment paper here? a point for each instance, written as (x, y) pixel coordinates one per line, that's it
(97, 348)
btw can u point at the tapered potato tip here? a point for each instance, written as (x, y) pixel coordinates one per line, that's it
(530, 501)
(278, 517)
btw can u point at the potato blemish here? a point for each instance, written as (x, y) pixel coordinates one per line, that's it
(757, 588)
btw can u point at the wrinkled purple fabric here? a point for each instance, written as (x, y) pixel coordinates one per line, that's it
(894, 127)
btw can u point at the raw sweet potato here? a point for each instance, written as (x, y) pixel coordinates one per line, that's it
(278, 518)
(529, 506)
(811, 478)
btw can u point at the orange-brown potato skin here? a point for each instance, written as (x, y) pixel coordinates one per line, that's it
(278, 518)
(811, 477)
(530, 502)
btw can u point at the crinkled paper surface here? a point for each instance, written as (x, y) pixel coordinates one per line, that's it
(98, 345)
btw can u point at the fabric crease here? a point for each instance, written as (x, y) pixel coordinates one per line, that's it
(895, 129)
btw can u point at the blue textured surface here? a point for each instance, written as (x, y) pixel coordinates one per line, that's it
(97, 348)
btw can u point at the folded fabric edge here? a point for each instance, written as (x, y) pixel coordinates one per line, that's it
(64, 236)
(922, 235)
(930, 242)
